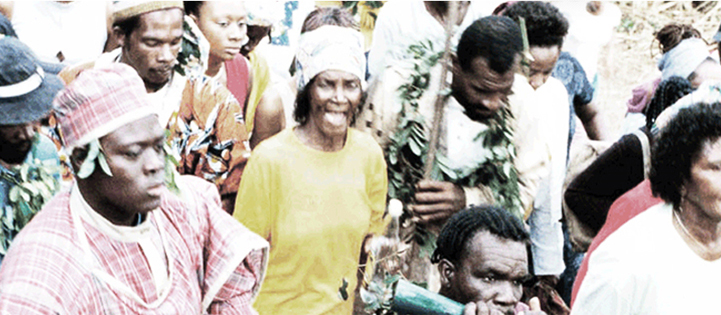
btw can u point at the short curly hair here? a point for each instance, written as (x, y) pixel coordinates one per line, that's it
(545, 25)
(679, 146)
(497, 39)
(462, 226)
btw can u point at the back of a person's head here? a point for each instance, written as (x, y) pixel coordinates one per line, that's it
(667, 93)
(496, 38)
(462, 226)
(672, 34)
(545, 25)
(678, 146)
(328, 16)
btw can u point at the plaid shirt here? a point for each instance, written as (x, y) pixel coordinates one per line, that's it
(214, 265)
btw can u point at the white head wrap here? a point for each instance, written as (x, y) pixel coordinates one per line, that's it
(330, 47)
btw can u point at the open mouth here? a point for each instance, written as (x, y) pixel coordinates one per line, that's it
(336, 118)
(232, 50)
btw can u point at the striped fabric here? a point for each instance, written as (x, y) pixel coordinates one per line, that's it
(214, 265)
(100, 101)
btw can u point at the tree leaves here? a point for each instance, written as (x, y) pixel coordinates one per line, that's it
(33, 184)
(408, 146)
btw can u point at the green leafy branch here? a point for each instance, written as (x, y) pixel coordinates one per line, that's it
(33, 184)
(407, 151)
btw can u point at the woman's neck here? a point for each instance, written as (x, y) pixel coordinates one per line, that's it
(317, 140)
(214, 65)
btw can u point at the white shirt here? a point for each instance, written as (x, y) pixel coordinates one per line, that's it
(645, 267)
(77, 29)
(545, 220)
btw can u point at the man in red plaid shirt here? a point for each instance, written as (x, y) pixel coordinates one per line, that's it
(118, 241)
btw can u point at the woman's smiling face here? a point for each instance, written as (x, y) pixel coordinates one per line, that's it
(334, 97)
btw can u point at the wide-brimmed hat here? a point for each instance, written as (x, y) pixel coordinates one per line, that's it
(26, 91)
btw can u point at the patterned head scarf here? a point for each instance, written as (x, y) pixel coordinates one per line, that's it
(330, 48)
(98, 102)
(683, 59)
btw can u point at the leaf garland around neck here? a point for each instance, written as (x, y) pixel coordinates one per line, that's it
(408, 147)
(33, 183)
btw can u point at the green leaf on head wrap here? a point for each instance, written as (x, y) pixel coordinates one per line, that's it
(95, 152)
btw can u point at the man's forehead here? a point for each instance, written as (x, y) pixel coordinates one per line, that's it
(491, 251)
(483, 74)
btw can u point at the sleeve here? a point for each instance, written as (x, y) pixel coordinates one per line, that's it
(382, 36)
(234, 258)
(616, 171)
(582, 90)
(216, 137)
(236, 297)
(533, 154)
(377, 189)
(231, 142)
(27, 290)
(253, 204)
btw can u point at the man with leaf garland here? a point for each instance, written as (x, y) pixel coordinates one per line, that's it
(486, 119)
(206, 123)
(491, 149)
(118, 241)
(29, 165)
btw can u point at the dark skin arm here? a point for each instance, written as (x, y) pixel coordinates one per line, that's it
(596, 125)
(269, 117)
(228, 202)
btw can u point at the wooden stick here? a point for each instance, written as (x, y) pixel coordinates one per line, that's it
(440, 98)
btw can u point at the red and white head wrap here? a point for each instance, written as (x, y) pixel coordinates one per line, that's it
(98, 102)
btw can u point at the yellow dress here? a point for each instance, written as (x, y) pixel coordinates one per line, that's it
(315, 208)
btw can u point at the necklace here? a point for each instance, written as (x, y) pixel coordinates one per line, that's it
(686, 231)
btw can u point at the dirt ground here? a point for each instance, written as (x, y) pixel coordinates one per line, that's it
(630, 58)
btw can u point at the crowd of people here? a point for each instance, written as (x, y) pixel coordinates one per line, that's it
(154, 161)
